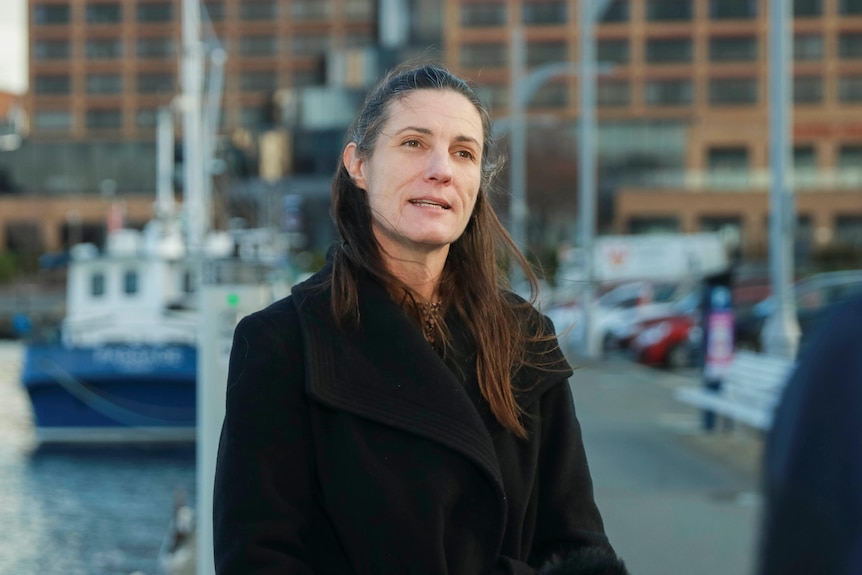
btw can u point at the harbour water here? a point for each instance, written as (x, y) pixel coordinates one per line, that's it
(81, 511)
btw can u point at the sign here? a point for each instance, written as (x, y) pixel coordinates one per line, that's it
(668, 257)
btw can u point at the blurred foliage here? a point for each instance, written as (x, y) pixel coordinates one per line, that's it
(8, 266)
(837, 256)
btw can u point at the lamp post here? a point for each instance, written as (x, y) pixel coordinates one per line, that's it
(780, 335)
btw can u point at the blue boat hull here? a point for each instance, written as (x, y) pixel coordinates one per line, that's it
(112, 393)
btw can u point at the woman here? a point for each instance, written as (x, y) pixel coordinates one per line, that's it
(400, 412)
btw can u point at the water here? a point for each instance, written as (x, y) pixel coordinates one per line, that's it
(82, 511)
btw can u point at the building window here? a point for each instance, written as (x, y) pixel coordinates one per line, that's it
(733, 49)
(670, 92)
(496, 97)
(539, 53)
(617, 11)
(848, 230)
(250, 10)
(250, 117)
(258, 45)
(543, 12)
(668, 50)
(807, 8)
(104, 119)
(807, 89)
(155, 12)
(104, 83)
(97, 284)
(359, 10)
(484, 55)
(52, 49)
(213, 10)
(551, 95)
(301, 78)
(654, 225)
(669, 10)
(309, 44)
(728, 227)
(613, 93)
(155, 83)
(807, 47)
(258, 81)
(805, 158)
(850, 157)
(733, 9)
(613, 51)
(850, 45)
(155, 47)
(104, 49)
(851, 7)
(727, 167)
(146, 118)
(99, 13)
(52, 121)
(359, 39)
(850, 89)
(52, 14)
(52, 84)
(733, 91)
(130, 282)
(483, 14)
(311, 10)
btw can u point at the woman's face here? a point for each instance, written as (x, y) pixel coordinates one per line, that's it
(423, 176)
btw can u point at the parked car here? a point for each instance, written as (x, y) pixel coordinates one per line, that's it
(813, 297)
(672, 340)
(618, 321)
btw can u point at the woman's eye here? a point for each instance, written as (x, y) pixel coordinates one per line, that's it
(466, 154)
(412, 143)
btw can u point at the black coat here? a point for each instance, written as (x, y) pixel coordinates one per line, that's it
(368, 454)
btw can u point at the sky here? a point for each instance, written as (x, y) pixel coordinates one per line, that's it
(13, 46)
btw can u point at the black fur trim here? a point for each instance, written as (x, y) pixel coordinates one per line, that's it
(586, 561)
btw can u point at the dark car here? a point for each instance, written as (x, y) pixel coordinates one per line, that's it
(813, 298)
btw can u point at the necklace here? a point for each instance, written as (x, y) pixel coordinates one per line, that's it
(430, 315)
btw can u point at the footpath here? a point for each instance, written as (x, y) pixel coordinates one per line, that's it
(676, 500)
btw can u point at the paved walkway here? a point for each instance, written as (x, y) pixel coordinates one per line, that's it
(676, 501)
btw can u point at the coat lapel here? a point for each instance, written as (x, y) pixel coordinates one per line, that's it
(386, 372)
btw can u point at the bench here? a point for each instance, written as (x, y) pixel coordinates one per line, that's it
(750, 389)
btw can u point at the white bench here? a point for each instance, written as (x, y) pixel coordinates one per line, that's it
(750, 389)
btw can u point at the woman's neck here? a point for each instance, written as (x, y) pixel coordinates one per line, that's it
(421, 273)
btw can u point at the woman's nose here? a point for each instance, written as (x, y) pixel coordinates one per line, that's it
(439, 166)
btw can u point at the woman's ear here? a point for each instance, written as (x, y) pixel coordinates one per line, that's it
(354, 164)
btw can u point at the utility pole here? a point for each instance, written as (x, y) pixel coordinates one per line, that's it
(518, 151)
(780, 335)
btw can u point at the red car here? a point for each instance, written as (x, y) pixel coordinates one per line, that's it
(672, 341)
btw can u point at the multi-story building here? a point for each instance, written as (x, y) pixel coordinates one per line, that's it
(685, 95)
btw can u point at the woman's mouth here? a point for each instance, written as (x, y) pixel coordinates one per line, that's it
(430, 204)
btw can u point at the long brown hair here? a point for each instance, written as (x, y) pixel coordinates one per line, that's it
(473, 279)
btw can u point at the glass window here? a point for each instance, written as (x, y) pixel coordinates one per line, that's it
(543, 12)
(727, 158)
(258, 81)
(550, 95)
(213, 10)
(155, 12)
(490, 55)
(669, 92)
(258, 45)
(614, 51)
(850, 89)
(807, 47)
(359, 10)
(52, 49)
(804, 157)
(733, 49)
(654, 225)
(52, 120)
(155, 47)
(97, 284)
(130, 282)
(50, 84)
(733, 91)
(669, 10)
(850, 157)
(311, 10)
(99, 13)
(359, 39)
(613, 93)
(496, 97)
(309, 44)
(803, 8)
(850, 45)
(155, 83)
(146, 118)
(668, 50)
(482, 14)
(616, 11)
(851, 7)
(807, 89)
(104, 49)
(848, 230)
(732, 9)
(258, 10)
(306, 78)
(104, 119)
(104, 83)
(52, 14)
(539, 53)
